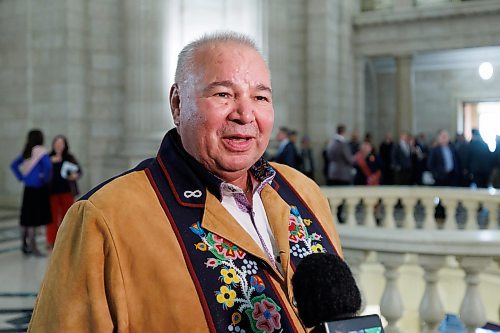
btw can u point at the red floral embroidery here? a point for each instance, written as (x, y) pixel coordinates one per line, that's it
(268, 319)
(296, 230)
(227, 249)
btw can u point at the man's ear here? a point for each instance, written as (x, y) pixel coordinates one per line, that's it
(175, 104)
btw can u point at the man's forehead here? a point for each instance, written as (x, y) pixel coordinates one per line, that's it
(216, 55)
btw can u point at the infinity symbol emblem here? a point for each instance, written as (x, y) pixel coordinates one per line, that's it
(189, 194)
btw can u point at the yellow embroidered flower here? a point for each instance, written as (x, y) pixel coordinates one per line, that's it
(307, 222)
(229, 276)
(317, 248)
(226, 297)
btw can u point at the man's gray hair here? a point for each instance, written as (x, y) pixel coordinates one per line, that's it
(187, 54)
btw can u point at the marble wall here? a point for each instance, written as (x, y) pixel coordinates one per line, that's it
(99, 71)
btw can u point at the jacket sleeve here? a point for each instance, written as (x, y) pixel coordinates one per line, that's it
(14, 166)
(83, 289)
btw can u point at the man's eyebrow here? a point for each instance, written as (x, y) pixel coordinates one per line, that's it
(226, 83)
(263, 87)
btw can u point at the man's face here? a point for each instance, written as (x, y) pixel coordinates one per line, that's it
(225, 113)
(443, 138)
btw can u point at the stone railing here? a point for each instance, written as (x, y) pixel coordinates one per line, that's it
(416, 207)
(395, 222)
(474, 251)
(373, 5)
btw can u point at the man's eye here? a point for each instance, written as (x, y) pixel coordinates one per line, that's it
(261, 98)
(222, 94)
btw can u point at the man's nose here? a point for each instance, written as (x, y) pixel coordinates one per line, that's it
(243, 111)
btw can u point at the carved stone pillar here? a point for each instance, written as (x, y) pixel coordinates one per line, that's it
(146, 90)
(404, 94)
(431, 309)
(391, 304)
(472, 311)
(355, 258)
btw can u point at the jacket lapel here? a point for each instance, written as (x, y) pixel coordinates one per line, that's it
(218, 220)
(278, 214)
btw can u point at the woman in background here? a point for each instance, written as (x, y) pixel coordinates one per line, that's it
(63, 189)
(33, 168)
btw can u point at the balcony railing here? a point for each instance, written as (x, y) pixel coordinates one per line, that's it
(374, 5)
(437, 225)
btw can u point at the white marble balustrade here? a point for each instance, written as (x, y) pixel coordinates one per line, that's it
(473, 249)
(416, 207)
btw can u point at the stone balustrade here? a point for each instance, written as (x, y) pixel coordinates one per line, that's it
(373, 5)
(432, 223)
(413, 207)
(474, 250)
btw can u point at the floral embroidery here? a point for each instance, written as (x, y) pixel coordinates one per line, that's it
(229, 276)
(241, 287)
(225, 249)
(226, 297)
(257, 283)
(265, 312)
(240, 284)
(304, 243)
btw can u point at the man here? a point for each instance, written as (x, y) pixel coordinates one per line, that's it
(203, 238)
(402, 160)
(479, 160)
(340, 159)
(385, 152)
(287, 151)
(443, 162)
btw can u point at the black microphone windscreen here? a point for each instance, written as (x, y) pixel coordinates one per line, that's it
(324, 289)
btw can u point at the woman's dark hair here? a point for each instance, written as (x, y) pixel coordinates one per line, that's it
(35, 138)
(65, 152)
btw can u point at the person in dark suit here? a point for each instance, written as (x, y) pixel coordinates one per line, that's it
(479, 159)
(287, 152)
(401, 160)
(443, 162)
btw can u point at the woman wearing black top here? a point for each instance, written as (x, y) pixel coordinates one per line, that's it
(66, 171)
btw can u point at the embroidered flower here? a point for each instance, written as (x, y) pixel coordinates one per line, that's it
(226, 297)
(236, 318)
(298, 251)
(201, 246)
(317, 248)
(315, 236)
(296, 231)
(307, 222)
(229, 276)
(257, 283)
(227, 249)
(266, 315)
(249, 266)
(212, 263)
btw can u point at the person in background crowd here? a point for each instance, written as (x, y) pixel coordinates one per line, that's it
(354, 143)
(63, 187)
(367, 165)
(461, 147)
(33, 168)
(495, 175)
(306, 157)
(402, 161)
(421, 153)
(340, 159)
(385, 153)
(287, 152)
(479, 159)
(443, 162)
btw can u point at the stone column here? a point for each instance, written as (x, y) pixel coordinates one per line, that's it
(404, 94)
(147, 115)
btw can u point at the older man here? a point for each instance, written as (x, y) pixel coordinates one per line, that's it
(206, 236)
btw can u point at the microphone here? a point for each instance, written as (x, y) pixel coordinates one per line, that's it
(325, 290)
